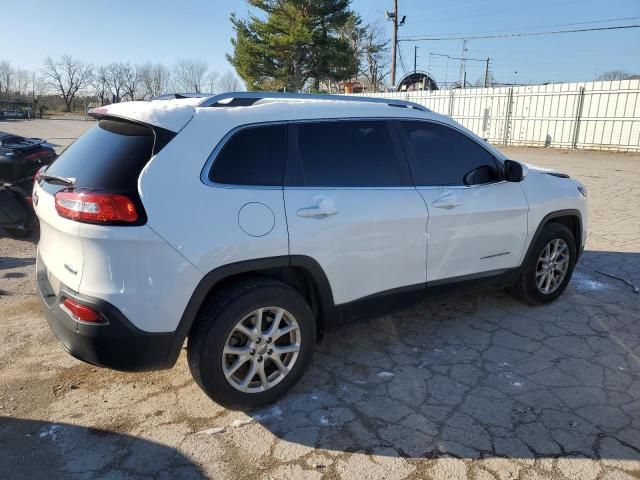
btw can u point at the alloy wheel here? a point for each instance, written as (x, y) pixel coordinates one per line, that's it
(261, 349)
(552, 266)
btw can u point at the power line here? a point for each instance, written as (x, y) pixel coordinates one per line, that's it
(404, 70)
(511, 35)
(557, 25)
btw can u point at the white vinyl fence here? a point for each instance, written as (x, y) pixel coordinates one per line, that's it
(587, 115)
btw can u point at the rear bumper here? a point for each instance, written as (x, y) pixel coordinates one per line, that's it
(116, 344)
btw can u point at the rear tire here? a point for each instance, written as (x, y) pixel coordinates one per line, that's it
(27, 231)
(229, 323)
(543, 281)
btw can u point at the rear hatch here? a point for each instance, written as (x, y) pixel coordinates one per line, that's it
(106, 160)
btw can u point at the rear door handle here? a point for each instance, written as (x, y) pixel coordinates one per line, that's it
(324, 207)
(447, 200)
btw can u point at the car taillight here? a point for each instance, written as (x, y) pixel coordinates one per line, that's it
(92, 207)
(38, 154)
(82, 312)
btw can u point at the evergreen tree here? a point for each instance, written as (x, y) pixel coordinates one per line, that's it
(297, 43)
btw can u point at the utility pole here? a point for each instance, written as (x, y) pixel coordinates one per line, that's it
(393, 17)
(486, 74)
(395, 43)
(415, 58)
(463, 72)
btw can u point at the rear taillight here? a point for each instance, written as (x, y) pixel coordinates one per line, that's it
(93, 207)
(82, 312)
(38, 154)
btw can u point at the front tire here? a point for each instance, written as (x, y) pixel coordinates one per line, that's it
(548, 269)
(251, 343)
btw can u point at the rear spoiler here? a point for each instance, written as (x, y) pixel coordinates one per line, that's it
(166, 114)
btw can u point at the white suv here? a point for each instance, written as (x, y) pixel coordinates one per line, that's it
(251, 223)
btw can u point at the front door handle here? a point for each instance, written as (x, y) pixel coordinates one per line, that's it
(447, 200)
(324, 207)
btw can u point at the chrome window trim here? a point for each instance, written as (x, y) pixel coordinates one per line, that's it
(458, 187)
(302, 187)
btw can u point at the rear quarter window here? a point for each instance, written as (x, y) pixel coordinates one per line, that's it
(252, 156)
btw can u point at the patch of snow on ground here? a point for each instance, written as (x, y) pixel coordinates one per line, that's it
(583, 282)
(51, 432)
(273, 412)
(212, 431)
(240, 422)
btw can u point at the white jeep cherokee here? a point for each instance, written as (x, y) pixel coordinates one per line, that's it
(251, 223)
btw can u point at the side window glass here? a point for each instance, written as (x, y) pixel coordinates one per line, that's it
(347, 154)
(442, 156)
(252, 156)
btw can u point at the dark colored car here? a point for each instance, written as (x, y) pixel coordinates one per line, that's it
(20, 159)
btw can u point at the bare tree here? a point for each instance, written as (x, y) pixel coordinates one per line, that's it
(100, 84)
(22, 81)
(230, 83)
(38, 85)
(115, 77)
(6, 78)
(374, 64)
(67, 75)
(213, 81)
(614, 75)
(155, 79)
(189, 75)
(130, 80)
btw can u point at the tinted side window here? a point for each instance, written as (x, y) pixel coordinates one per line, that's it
(347, 154)
(442, 156)
(252, 156)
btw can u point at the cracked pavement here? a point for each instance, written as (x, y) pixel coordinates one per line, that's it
(476, 386)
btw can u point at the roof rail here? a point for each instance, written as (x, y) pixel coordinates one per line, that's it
(176, 95)
(245, 99)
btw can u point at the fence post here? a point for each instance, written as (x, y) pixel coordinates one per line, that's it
(576, 124)
(451, 97)
(507, 118)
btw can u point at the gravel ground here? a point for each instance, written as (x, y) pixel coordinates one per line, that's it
(475, 387)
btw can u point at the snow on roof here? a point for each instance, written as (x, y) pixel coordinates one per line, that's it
(169, 114)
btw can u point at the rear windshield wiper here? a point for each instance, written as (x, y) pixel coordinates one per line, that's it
(57, 180)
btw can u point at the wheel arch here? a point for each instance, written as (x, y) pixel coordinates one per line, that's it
(302, 273)
(571, 218)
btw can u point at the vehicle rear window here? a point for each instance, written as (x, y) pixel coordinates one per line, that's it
(109, 156)
(252, 156)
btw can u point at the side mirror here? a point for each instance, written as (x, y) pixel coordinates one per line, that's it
(513, 171)
(480, 175)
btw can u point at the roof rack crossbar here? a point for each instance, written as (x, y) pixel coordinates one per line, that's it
(248, 98)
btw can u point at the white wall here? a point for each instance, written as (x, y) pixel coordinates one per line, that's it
(586, 115)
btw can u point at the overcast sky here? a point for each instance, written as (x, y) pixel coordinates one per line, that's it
(103, 31)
